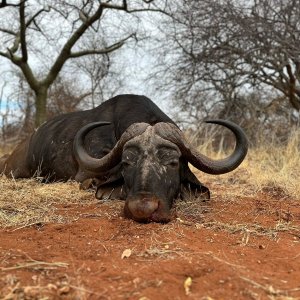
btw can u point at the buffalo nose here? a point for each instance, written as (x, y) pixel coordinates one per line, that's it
(143, 207)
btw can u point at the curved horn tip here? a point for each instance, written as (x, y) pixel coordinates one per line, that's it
(235, 128)
(99, 123)
(90, 126)
(219, 121)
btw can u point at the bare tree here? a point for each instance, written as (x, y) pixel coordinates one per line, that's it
(102, 78)
(64, 95)
(12, 116)
(224, 49)
(56, 29)
(266, 40)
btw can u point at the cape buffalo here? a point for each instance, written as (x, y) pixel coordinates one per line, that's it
(131, 150)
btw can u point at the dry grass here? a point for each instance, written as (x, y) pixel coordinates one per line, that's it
(268, 168)
(277, 166)
(253, 229)
(27, 202)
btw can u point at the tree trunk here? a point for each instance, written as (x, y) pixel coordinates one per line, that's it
(41, 106)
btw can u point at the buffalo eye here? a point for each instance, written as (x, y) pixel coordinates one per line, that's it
(127, 162)
(174, 163)
(168, 157)
(129, 157)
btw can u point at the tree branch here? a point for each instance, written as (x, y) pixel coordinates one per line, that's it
(8, 31)
(5, 4)
(21, 62)
(118, 7)
(32, 19)
(149, 9)
(101, 51)
(23, 32)
(65, 53)
(292, 88)
(3, 54)
(27, 71)
(15, 46)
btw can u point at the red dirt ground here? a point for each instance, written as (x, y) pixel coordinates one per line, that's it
(241, 248)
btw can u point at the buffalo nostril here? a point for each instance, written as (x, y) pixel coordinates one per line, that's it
(143, 208)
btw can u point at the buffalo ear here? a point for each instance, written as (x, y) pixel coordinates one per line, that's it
(112, 187)
(108, 185)
(110, 191)
(191, 188)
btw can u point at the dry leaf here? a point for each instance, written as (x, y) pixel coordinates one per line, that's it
(126, 253)
(187, 285)
(184, 222)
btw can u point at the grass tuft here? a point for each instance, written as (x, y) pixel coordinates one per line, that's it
(269, 168)
(27, 202)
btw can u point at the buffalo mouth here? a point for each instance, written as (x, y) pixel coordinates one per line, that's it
(147, 208)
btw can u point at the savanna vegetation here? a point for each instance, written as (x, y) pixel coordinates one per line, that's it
(59, 242)
(229, 59)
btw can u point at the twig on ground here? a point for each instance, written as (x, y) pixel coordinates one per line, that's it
(28, 225)
(269, 288)
(224, 261)
(35, 264)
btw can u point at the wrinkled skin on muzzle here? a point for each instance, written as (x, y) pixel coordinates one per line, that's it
(151, 176)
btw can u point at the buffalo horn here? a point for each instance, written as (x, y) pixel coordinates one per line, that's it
(171, 133)
(113, 157)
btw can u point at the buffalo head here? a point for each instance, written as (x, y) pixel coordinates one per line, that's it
(152, 161)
